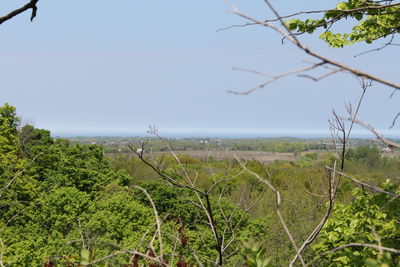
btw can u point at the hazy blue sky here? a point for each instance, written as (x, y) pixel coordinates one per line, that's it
(117, 67)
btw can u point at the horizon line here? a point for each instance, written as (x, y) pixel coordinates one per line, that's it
(214, 132)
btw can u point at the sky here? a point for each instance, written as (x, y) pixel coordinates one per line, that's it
(114, 68)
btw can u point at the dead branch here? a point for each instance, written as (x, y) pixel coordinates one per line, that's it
(158, 221)
(394, 120)
(375, 132)
(278, 206)
(370, 187)
(332, 194)
(273, 77)
(396, 251)
(3, 247)
(316, 79)
(30, 5)
(389, 43)
(190, 185)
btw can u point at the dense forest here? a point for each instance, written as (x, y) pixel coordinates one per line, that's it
(66, 204)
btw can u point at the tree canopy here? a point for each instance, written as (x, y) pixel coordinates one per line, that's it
(373, 20)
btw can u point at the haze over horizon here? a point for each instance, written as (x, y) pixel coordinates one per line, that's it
(165, 64)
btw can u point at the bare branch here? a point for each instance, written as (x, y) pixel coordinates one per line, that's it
(376, 133)
(344, 12)
(30, 5)
(273, 77)
(3, 248)
(236, 26)
(394, 120)
(315, 232)
(287, 34)
(190, 185)
(396, 251)
(390, 43)
(278, 206)
(158, 221)
(370, 187)
(316, 79)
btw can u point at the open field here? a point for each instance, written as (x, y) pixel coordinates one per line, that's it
(264, 157)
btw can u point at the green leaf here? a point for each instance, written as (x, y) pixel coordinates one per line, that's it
(341, 6)
(358, 16)
(292, 24)
(343, 259)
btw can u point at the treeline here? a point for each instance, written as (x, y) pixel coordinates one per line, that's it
(65, 204)
(282, 145)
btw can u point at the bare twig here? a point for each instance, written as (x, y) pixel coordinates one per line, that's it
(158, 221)
(273, 77)
(344, 12)
(376, 133)
(370, 187)
(30, 5)
(316, 79)
(315, 232)
(278, 206)
(287, 34)
(396, 251)
(390, 43)
(394, 120)
(3, 248)
(17, 214)
(189, 184)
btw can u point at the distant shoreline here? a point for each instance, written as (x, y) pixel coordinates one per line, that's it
(215, 135)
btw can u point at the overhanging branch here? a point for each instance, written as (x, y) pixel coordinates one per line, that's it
(30, 5)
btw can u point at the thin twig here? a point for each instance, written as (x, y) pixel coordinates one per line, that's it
(158, 221)
(273, 77)
(370, 187)
(376, 133)
(394, 120)
(18, 174)
(278, 206)
(379, 48)
(315, 232)
(287, 34)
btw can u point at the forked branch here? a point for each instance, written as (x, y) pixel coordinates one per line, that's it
(31, 5)
(288, 35)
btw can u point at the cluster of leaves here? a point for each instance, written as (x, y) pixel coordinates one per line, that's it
(370, 219)
(375, 20)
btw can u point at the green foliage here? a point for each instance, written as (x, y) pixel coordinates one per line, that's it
(370, 219)
(372, 21)
(366, 155)
(255, 255)
(8, 131)
(32, 140)
(64, 203)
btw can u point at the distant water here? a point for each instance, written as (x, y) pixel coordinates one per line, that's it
(225, 133)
